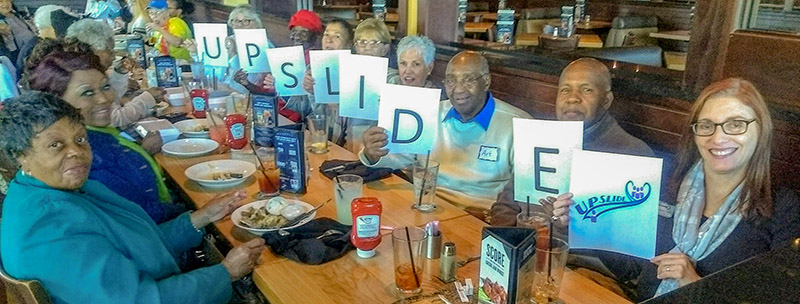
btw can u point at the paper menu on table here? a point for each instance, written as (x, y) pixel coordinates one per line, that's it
(290, 157)
(616, 202)
(542, 154)
(411, 116)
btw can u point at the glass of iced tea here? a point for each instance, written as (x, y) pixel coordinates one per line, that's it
(269, 176)
(409, 246)
(548, 270)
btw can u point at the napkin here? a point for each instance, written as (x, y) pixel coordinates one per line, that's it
(353, 167)
(302, 245)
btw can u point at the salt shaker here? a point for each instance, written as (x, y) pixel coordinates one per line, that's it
(447, 262)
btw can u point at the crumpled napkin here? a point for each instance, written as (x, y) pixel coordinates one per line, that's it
(302, 245)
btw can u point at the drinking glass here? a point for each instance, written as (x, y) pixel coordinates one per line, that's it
(269, 176)
(217, 131)
(425, 182)
(346, 188)
(318, 126)
(539, 222)
(549, 270)
(409, 252)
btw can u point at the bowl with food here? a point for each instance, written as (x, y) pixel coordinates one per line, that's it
(193, 128)
(268, 215)
(222, 173)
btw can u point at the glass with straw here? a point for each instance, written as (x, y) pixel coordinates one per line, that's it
(424, 179)
(409, 246)
(551, 258)
(269, 177)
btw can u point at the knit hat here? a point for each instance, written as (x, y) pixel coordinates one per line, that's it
(306, 19)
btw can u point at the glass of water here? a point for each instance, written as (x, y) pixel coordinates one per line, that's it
(425, 184)
(318, 127)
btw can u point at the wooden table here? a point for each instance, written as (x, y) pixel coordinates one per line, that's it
(675, 60)
(592, 25)
(351, 279)
(586, 40)
(479, 28)
(672, 35)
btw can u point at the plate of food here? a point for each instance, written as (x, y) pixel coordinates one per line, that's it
(190, 147)
(268, 215)
(220, 173)
(193, 128)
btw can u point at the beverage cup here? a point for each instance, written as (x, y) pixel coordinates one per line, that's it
(269, 175)
(319, 133)
(346, 187)
(408, 275)
(547, 283)
(537, 221)
(427, 204)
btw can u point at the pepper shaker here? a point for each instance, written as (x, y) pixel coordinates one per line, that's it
(447, 262)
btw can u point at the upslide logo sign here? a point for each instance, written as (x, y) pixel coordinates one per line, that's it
(595, 206)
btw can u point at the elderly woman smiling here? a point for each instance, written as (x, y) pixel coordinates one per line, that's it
(82, 241)
(415, 56)
(243, 17)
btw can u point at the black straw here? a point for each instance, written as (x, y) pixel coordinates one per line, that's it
(262, 165)
(424, 177)
(550, 247)
(528, 206)
(411, 257)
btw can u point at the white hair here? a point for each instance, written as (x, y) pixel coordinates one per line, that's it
(42, 16)
(420, 44)
(247, 11)
(96, 33)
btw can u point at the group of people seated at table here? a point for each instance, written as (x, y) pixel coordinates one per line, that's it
(89, 215)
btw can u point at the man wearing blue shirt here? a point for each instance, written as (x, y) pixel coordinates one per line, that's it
(475, 143)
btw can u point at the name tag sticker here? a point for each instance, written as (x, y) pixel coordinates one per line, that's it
(489, 153)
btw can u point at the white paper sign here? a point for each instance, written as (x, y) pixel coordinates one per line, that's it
(210, 39)
(616, 202)
(251, 46)
(360, 80)
(288, 65)
(542, 155)
(411, 116)
(325, 69)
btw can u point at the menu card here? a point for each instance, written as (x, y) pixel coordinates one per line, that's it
(507, 261)
(166, 72)
(136, 51)
(265, 119)
(505, 26)
(290, 157)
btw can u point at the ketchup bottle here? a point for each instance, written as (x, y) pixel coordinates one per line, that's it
(237, 137)
(199, 102)
(366, 233)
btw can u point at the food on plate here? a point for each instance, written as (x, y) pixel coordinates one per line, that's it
(275, 205)
(198, 128)
(224, 175)
(292, 211)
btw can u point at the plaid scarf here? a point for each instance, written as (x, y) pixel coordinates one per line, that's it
(695, 240)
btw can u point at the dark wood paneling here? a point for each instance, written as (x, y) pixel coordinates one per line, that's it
(770, 61)
(671, 16)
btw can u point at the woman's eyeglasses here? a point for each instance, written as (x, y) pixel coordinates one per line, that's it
(730, 127)
(244, 22)
(369, 43)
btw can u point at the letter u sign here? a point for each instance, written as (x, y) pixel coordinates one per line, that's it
(218, 49)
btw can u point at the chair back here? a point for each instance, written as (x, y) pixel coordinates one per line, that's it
(632, 31)
(553, 44)
(23, 292)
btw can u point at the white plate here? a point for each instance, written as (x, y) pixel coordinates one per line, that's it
(190, 147)
(237, 215)
(187, 126)
(202, 172)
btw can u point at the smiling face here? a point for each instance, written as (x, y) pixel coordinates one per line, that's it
(89, 92)
(242, 22)
(467, 84)
(582, 95)
(725, 154)
(412, 68)
(5, 7)
(336, 37)
(369, 43)
(59, 156)
(302, 36)
(159, 17)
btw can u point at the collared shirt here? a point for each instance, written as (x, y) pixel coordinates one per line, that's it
(483, 118)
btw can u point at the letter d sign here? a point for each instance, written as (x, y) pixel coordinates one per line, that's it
(396, 126)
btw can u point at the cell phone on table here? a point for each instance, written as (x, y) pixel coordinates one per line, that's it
(141, 130)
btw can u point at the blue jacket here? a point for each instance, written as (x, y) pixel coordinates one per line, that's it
(128, 174)
(93, 246)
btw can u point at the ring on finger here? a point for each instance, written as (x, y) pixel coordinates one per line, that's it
(666, 268)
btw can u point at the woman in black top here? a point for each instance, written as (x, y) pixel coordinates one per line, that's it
(726, 208)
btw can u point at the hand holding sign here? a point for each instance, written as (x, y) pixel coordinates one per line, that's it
(288, 66)
(616, 202)
(412, 115)
(542, 160)
(251, 45)
(211, 43)
(360, 81)
(325, 64)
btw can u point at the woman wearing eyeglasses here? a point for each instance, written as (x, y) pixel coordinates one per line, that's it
(243, 17)
(727, 209)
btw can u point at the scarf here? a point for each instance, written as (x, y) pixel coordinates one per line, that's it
(163, 192)
(695, 240)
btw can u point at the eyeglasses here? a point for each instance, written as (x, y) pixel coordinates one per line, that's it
(466, 82)
(730, 127)
(369, 43)
(299, 34)
(242, 21)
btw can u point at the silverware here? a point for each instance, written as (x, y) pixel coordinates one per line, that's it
(466, 261)
(329, 232)
(303, 216)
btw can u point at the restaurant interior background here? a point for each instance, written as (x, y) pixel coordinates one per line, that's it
(662, 53)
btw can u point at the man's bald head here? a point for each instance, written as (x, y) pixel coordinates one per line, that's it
(467, 83)
(584, 91)
(469, 59)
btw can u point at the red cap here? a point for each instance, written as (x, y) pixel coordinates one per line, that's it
(306, 19)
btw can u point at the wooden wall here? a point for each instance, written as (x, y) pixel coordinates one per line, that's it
(671, 16)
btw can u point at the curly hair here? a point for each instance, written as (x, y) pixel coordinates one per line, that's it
(52, 75)
(46, 47)
(22, 117)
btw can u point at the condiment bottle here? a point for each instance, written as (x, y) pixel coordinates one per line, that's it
(366, 233)
(199, 98)
(237, 137)
(447, 263)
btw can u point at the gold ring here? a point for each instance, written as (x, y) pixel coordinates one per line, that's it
(666, 268)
